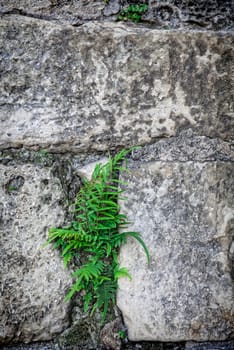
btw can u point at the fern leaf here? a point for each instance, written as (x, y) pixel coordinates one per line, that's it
(77, 287)
(66, 258)
(137, 236)
(108, 249)
(105, 295)
(87, 300)
(89, 270)
(121, 272)
(68, 247)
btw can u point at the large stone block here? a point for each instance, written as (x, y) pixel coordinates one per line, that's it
(33, 281)
(185, 213)
(101, 86)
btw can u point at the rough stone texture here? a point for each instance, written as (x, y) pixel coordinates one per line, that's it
(32, 346)
(187, 146)
(102, 86)
(198, 14)
(229, 345)
(64, 12)
(193, 14)
(33, 281)
(184, 210)
(110, 335)
(83, 334)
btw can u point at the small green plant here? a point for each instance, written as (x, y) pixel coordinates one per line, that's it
(11, 188)
(43, 152)
(133, 13)
(122, 334)
(95, 232)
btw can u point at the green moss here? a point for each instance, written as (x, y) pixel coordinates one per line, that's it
(133, 13)
(15, 155)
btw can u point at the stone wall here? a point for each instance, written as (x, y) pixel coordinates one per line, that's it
(67, 96)
(192, 14)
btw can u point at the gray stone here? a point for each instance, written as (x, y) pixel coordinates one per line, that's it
(102, 86)
(187, 146)
(229, 345)
(110, 334)
(185, 213)
(83, 334)
(112, 8)
(32, 346)
(202, 14)
(33, 279)
(59, 11)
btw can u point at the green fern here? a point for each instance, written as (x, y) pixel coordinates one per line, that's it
(105, 297)
(94, 231)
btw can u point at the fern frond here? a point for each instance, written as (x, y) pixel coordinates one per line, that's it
(94, 231)
(76, 288)
(105, 296)
(121, 272)
(88, 297)
(66, 258)
(137, 236)
(89, 270)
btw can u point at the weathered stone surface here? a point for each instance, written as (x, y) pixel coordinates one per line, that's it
(63, 12)
(102, 86)
(202, 14)
(33, 279)
(112, 8)
(32, 346)
(84, 333)
(110, 334)
(229, 345)
(185, 212)
(187, 146)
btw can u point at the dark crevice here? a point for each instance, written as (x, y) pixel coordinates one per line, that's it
(36, 16)
(25, 14)
(55, 149)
